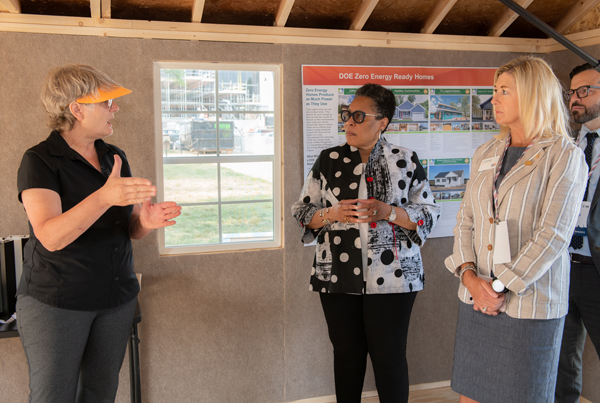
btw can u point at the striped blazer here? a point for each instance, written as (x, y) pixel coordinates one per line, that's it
(540, 199)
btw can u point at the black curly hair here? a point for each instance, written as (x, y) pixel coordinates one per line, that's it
(580, 69)
(383, 99)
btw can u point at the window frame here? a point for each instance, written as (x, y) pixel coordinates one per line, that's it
(276, 158)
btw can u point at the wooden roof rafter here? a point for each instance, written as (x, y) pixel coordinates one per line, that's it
(96, 8)
(507, 18)
(438, 13)
(10, 6)
(575, 14)
(283, 12)
(197, 10)
(106, 8)
(362, 14)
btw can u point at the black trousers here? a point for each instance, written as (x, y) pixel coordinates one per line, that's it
(583, 314)
(377, 325)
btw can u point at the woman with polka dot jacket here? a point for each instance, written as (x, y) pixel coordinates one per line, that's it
(369, 205)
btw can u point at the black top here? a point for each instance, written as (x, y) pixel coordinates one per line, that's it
(96, 270)
(510, 159)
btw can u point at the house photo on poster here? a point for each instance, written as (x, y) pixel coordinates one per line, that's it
(442, 113)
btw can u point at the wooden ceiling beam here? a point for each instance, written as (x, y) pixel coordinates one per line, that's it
(438, 13)
(118, 28)
(581, 39)
(95, 6)
(362, 14)
(577, 11)
(197, 10)
(507, 18)
(106, 8)
(10, 6)
(283, 12)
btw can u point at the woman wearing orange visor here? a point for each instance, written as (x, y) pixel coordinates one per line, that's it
(78, 290)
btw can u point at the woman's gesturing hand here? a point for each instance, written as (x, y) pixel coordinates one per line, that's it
(119, 191)
(158, 215)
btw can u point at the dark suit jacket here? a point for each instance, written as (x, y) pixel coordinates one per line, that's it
(593, 223)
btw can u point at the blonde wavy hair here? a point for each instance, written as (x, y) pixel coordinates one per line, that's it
(66, 84)
(541, 107)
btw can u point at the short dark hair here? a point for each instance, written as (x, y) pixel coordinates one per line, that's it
(383, 99)
(580, 69)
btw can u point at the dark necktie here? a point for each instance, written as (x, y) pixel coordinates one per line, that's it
(577, 240)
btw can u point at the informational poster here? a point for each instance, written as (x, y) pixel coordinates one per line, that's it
(442, 113)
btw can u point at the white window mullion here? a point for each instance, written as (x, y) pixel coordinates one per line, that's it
(254, 115)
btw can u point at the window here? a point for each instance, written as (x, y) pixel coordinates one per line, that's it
(218, 136)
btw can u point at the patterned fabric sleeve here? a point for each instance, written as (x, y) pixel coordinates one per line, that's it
(420, 207)
(310, 202)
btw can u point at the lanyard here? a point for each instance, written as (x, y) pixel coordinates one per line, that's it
(499, 168)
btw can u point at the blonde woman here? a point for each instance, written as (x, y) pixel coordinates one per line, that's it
(510, 242)
(78, 290)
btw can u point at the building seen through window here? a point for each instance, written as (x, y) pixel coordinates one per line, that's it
(219, 155)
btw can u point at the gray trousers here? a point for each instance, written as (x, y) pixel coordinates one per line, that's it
(73, 356)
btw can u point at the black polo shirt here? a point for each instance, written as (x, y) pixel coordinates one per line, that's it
(96, 270)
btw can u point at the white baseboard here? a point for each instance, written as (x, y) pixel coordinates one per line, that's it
(432, 385)
(422, 386)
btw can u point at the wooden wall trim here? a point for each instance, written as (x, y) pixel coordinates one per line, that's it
(279, 35)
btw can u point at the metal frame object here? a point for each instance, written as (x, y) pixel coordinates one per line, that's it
(551, 32)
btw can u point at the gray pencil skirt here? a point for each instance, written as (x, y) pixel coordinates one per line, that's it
(499, 359)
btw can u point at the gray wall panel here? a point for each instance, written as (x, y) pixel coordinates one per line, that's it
(220, 327)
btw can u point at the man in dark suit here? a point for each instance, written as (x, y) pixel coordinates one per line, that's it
(584, 291)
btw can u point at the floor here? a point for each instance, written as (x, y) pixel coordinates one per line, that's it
(437, 395)
(440, 393)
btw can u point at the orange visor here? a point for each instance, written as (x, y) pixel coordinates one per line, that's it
(104, 95)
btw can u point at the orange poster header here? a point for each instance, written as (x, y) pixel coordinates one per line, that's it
(400, 76)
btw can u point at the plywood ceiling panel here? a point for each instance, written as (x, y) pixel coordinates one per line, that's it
(240, 12)
(549, 11)
(328, 14)
(471, 17)
(400, 16)
(590, 21)
(75, 8)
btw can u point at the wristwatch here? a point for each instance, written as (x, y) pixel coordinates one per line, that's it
(498, 286)
(392, 215)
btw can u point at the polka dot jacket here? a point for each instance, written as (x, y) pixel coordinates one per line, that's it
(393, 175)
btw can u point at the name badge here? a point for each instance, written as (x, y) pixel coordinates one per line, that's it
(581, 228)
(489, 163)
(501, 244)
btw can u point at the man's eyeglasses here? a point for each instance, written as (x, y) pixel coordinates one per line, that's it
(581, 92)
(358, 116)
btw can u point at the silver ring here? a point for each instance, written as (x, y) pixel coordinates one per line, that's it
(374, 212)
(485, 308)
